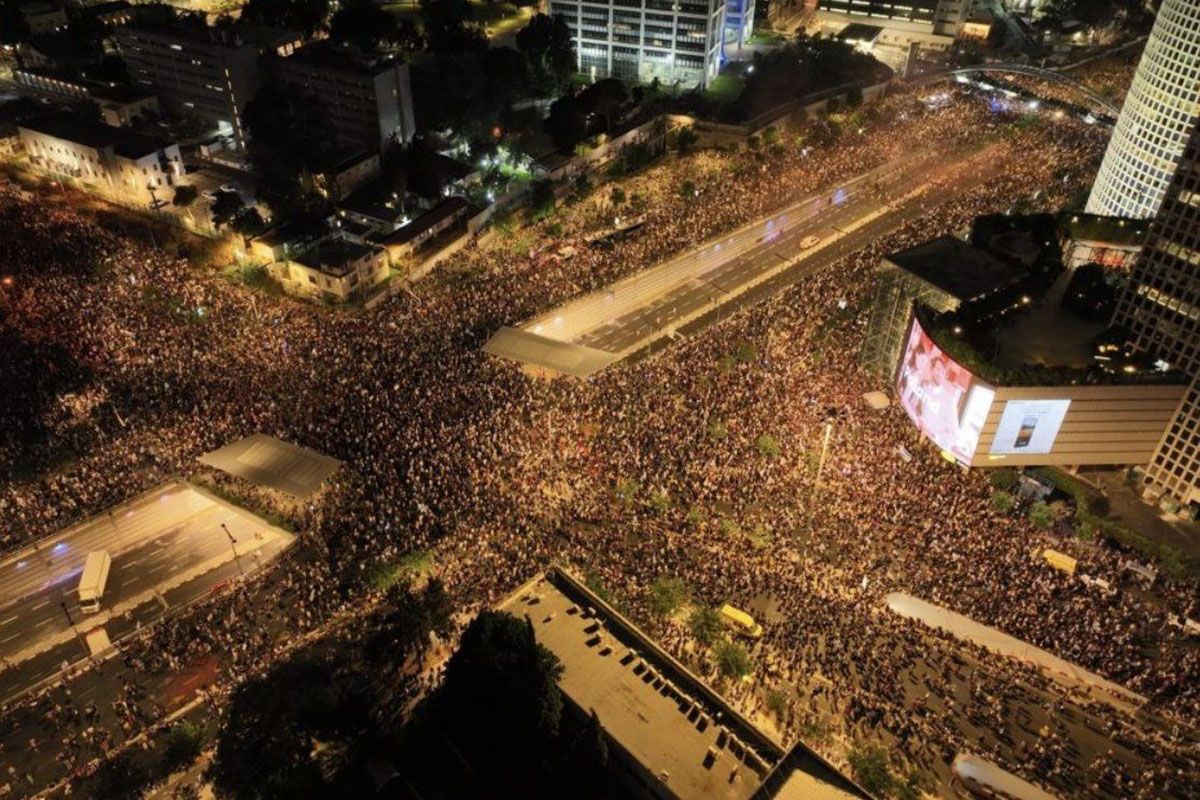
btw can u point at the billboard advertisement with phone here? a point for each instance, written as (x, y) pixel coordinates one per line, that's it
(941, 397)
(1029, 426)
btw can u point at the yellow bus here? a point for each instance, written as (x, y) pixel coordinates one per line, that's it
(740, 621)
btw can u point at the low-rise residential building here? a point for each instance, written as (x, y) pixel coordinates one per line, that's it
(368, 96)
(336, 269)
(111, 159)
(679, 43)
(405, 240)
(345, 172)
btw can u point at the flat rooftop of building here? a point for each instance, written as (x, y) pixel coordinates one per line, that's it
(333, 256)
(434, 216)
(342, 57)
(274, 464)
(958, 268)
(659, 713)
(544, 354)
(1100, 228)
(95, 135)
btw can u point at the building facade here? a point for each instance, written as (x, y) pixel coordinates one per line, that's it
(739, 22)
(203, 73)
(1161, 309)
(679, 43)
(111, 159)
(369, 97)
(927, 23)
(1159, 114)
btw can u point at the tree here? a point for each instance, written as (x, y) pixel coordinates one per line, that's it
(667, 595)
(1003, 502)
(408, 36)
(503, 680)
(686, 139)
(616, 196)
(305, 16)
(733, 661)
(768, 446)
(363, 23)
(183, 746)
(1040, 515)
(248, 222)
(871, 770)
(447, 29)
(541, 199)
(566, 123)
(507, 78)
(122, 777)
(546, 41)
(291, 139)
(265, 748)
(1004, 478)
(185, 195)
(705, 624)
(225, 208)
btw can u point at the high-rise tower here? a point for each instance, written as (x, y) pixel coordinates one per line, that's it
(1161, 309)
(1159, 114)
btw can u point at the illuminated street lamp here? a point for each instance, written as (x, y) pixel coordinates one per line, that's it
(233, 547)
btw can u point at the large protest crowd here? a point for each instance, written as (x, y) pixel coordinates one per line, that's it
(648, 470)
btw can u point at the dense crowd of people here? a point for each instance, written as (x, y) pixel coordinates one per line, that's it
(646, 470)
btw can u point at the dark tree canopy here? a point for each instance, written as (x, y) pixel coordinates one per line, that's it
(265, 747)
(500, 677)
(291, 137)
(546, 42)
(363, 23)
(448, 28)
(304, 16)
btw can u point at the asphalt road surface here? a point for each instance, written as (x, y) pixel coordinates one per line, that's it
(634, 312)
(168, 549)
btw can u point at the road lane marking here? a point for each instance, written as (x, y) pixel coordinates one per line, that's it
(10, 619)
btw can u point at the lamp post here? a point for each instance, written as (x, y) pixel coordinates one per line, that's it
(830, 416)
(233, 547)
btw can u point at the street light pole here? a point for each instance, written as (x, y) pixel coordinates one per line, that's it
(233, 547)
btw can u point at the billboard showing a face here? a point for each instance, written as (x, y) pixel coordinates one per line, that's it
(941, 397)
(1029, 426)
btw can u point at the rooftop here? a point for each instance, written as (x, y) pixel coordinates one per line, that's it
(662, 715)
(96, 135)
(342, 58)
(333, 256)
(273, 463)
(406, 233)
(958, 268)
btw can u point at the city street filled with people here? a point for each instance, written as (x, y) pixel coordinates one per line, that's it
(137, 362)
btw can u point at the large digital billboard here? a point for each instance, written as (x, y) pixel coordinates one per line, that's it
(1029, 426)
(941, 397)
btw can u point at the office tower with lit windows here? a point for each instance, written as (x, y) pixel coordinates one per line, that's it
(1159, 114)
(678, 42)
(1161, 309)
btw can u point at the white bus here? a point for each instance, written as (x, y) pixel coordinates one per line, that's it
(93, 580)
